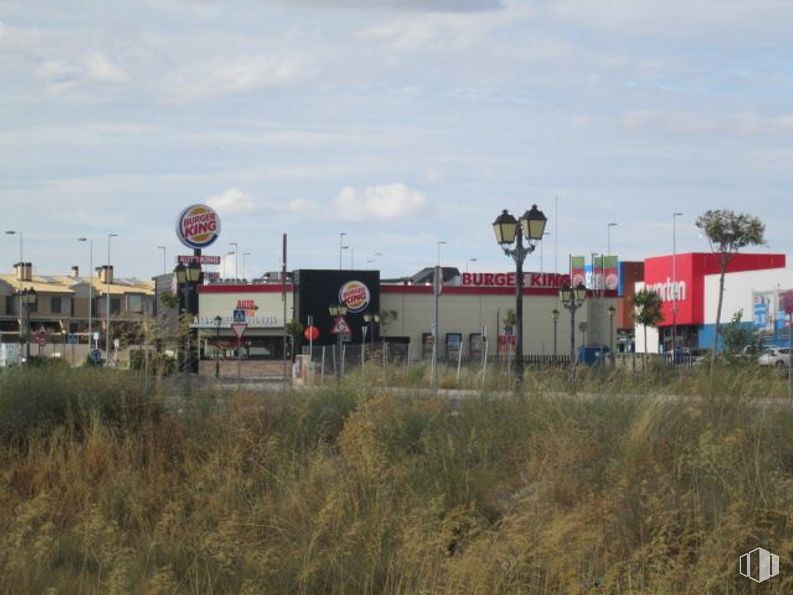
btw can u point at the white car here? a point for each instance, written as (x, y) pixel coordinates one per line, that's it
(778, 357)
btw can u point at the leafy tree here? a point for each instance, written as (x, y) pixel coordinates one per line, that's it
(727, 233)
(736, 337)
(647, 310)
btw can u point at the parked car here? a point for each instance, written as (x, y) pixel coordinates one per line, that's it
(778, 357)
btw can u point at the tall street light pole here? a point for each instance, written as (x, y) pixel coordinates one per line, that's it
(437, 285)
(218, 322)
(674, 284)
(244, 256)
(341, 247)
(608, 238)
(236, 261)
(90, 243)
(612, 312)
(12, 232)
(509, 231)
(110, 236)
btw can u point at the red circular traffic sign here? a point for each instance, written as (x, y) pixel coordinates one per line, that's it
(311, 333)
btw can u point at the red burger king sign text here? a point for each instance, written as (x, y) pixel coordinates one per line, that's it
(355, 295)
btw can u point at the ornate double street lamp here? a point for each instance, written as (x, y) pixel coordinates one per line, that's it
(510, 233)
(337, 311)
(187, 277)
(572, 300)
(28, 298)
(218, 322)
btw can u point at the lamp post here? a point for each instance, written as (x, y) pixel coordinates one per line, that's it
(244, 256)
(509, 231)
(337, 311)
(572, 300)
(341, 246)
(12, 232)
(674, 285)
(236, 260)
(187, 277)
(367, 318)
(28, 298)
(437, 287)
(110, 236)
(218, 322)
(90, 290)
(612, 311)
(374, 257)
(555, 318)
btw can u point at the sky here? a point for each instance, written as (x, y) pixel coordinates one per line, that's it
(402, 123)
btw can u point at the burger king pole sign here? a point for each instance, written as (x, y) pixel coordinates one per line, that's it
(198, 226)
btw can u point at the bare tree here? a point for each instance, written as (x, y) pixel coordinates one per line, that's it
(728, 232)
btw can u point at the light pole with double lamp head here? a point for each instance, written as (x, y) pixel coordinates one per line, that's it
(218, 322)
(572, 300)
(337, 311)
(187, 277)
(110, 236)
(28, 298)
(510, 234)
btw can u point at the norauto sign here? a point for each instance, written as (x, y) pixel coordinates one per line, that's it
(683, 285)
(541, 280)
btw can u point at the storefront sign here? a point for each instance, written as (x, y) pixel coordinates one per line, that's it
(203, 259)
(198, 226)
(539, 280)
(680, 281)
(259, 310)
(355, 295)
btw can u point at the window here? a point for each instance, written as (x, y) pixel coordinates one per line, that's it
(115, 305)
(55, 305)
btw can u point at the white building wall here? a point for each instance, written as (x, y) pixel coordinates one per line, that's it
(469, 314)
(738, 289)
(653, 344)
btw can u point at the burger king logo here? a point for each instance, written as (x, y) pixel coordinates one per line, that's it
(354, 295)
(198, 226)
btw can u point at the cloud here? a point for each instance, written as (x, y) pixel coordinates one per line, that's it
(389, 202)
(91, 68)
(231, 201)
(402, 5)
(443, 29)
(239, 74)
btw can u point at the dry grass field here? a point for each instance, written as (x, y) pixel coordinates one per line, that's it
(110, 485)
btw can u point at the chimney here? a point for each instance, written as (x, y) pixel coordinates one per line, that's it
(106, 273)
(75, 271)
(24, 271)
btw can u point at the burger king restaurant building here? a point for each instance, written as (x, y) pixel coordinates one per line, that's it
(474, 310)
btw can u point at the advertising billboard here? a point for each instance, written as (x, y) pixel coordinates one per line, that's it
(316, 290)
